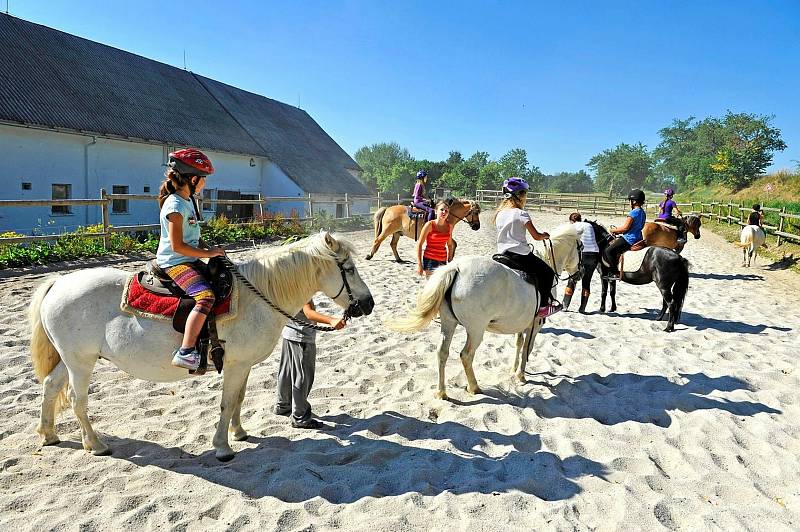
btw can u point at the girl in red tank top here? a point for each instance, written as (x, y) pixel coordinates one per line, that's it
(436, 237)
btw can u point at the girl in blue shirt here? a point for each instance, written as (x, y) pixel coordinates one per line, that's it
(631, 231)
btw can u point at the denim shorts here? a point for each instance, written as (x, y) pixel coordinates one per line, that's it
(429, 265)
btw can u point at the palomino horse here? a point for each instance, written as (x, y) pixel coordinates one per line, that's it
(483, 295)
(750, 240)
(394, 221)
(663, 266)
(658, 234)
(76, 319)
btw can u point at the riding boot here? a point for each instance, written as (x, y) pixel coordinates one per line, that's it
(567, 297)
(584, 300)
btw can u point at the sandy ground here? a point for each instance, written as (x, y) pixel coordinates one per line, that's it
(620, 425)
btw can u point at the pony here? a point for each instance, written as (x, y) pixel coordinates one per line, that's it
(663, 266)
(658, 234)
(395, 221)
(76, 319)
(751, 239)
(484, 295)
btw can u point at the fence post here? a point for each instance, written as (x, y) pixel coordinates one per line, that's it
(104, 209)
(780, 223)
(261, 206)
(594, 208)
(310, 208)
(729, 212)
(379, 201)
(346, 205)
(741, 213)
(398, 198)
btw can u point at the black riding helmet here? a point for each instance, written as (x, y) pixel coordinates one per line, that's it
(636, 195)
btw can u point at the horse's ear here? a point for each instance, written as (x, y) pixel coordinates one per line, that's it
(331, 242)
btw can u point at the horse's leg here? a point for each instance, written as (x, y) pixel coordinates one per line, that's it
(663, 309)
(393, 244)
(518, 355)
(53, 384)
(603, 291)
(474, 339)
(613, 296)
(234, 378)
(239, 434)
(448, 329)
(528, 347)
(79, 376)
(667, 301)
(378, 241)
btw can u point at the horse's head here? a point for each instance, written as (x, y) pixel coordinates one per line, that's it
(601, 234)
(339, 278)
(693, 224)
(469, 211)
(565, 251)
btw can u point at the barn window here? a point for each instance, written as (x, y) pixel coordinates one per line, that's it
(146, 189)
(208, 194)
(26, 186)
(119, 206)
(61, 191)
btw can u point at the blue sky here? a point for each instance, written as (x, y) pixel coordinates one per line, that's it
(562, 81)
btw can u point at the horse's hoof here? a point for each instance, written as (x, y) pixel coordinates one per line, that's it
(441, 395)
(368, 257)
(521, 377)
(102, 452)
(51, 441)
(474, 391)
(226, 457)
(669, 328)
(240, 436)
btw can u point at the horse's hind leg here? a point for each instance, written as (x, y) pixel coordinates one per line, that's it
(467, 355)
(53, 384)
(393, 244)
(385, 232)
(239, 434)
(448, 330)
(613, 293)
(79, 376)
(528, 347)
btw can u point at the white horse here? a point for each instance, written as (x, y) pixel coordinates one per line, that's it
(76, 319)
(483, 295)
(750, 240)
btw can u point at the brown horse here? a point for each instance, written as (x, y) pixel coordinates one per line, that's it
(661, 235)
(395, 221)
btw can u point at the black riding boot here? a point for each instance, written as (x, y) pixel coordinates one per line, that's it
(568, 291)
(584, 300)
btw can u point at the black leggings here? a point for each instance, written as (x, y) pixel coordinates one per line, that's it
(589, 260)
(614, 251)
(544, 274)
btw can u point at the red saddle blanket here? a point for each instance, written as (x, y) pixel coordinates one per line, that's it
(141, 299)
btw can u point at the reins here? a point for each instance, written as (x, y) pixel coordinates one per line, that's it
(231, 267)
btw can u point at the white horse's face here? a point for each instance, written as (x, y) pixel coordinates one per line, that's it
(341, 282)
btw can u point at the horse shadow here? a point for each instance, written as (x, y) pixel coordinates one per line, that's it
(576, 334)
(727, 276)
(620, 397)
(701, 323)
(783, 264)
(360, 458)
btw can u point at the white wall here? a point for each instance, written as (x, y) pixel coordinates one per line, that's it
(277, 183)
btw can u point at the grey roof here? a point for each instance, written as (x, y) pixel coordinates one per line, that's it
(53, 79)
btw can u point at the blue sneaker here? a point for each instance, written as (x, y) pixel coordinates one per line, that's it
(190, 360)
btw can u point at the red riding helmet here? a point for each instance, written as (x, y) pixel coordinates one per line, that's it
(190, 161)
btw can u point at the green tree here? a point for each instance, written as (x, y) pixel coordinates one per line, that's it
(377, 161)
(399, 179)
(621, 168)
(577, 182)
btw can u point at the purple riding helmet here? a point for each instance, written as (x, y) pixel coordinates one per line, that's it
(669, 193)
(513, 186)
(421, 174)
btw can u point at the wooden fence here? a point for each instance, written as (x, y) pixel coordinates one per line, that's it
(105, 200)
(597, 204)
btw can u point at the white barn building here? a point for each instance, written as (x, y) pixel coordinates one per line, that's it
(77, 116)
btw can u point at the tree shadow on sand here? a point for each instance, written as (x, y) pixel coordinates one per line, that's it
(620, 397)
(727, 276)
(361, 458)
(701, 323)
(783, 264)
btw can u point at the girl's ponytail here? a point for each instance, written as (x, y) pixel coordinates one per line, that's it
(171, 184)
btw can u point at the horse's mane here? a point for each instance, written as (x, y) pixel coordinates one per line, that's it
(284, 271)
(561, 237)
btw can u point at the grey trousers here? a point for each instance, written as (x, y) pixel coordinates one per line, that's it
(295, 378)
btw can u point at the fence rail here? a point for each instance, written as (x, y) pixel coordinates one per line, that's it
(596, 204)
(105, 200)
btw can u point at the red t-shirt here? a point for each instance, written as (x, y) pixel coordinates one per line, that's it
(436, 242)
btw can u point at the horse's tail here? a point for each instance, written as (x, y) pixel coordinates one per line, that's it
(428, 301)
(680, 288)
(378, 221)
(43, 353)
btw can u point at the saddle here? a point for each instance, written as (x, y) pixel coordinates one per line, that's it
(154, 292)
(415, 212)
(505, 260)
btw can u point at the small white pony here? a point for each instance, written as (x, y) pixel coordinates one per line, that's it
(76, 319)
(750, 240)
(483, 295)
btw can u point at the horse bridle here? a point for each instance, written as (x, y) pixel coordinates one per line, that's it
(469, 212)
(573, 276)
(325, 328)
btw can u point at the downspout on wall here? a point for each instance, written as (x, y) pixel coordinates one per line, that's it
(86, 176)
